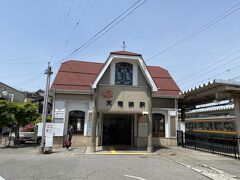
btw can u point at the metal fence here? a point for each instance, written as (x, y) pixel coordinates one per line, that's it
(223, 144)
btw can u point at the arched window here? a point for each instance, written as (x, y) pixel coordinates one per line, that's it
(124, 73)
(76, 119)
(158, 125)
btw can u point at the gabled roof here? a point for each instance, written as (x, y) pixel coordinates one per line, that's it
(127, 53)
(78, 76)
(137, 59)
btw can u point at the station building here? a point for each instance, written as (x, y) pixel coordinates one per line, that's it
(119, 102)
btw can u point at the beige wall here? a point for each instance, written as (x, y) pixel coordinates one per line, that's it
(106, 77)
(141, 78)
(126, 94)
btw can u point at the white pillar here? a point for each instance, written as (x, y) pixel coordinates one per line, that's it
(237, 117)
(237, 114)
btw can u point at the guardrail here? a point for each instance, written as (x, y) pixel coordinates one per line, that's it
(223, 144)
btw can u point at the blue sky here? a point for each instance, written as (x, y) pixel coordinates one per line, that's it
(38, 28)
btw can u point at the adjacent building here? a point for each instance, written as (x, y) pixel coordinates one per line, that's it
(119, 102)
(212, 107)
(38, 98)
(11, 94)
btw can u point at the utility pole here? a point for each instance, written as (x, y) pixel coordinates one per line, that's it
(48, 72)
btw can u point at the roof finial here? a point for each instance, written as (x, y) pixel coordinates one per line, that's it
(124, 46)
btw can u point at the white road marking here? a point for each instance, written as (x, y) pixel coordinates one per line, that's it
(1, 178)
(134, 177)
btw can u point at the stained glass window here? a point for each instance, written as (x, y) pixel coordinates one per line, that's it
(124, 74)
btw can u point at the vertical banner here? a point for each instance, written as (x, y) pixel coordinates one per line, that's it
(49, 135)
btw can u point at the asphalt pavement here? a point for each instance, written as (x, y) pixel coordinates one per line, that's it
(26, 163)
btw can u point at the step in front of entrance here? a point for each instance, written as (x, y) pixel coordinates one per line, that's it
(118, 150)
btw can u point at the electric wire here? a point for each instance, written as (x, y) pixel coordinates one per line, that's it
(105, 29)
(234, 78)
(218, 74)
(220, 17)
(62, 29)
(99, 34)
(230, 43)
(201, 71)
(76, 26)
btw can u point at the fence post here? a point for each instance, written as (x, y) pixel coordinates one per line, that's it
(212, 143)
(182, 139)
(238, 146)
(195, 141)
(235, 140)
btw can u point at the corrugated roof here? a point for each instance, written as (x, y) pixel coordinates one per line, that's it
(79, 75)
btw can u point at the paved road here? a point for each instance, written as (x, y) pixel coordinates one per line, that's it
(26, 163)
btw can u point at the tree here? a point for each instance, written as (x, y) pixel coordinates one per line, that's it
(5, 116)
(39, 119)
(23, 114)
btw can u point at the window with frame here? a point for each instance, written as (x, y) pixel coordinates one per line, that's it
(158, 125)
(131, 104)
(142, 104)
(123, 73)
(120, 103)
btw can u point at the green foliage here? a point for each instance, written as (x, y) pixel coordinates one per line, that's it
(24, 113)
(17, 113)
(39, 119)
(5, 116)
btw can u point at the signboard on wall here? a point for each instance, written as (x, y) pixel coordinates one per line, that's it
(59, 113)
(89, 128)
(142, 130)
(57, 129)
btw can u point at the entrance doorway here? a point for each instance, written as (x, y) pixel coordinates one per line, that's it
(117, 130)
(76, 119)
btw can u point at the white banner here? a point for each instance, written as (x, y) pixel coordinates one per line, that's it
(56, 131)
(49, 135)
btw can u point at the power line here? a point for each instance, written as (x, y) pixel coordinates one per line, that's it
(63, 27)
(230, 44)
(32, 57)
(30, 80)
(218, 74)
(235, 78)
(236, 58)
(198, 31)
(99, 34)
(211, 65)
(76, 26)
(105, 29)
(78, 22)
(16, 75)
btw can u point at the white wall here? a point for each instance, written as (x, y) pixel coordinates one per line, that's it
(165, 113)
(71, 105)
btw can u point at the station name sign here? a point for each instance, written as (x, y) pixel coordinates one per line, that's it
(107, 93)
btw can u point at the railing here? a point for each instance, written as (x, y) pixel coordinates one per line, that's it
(223, 144)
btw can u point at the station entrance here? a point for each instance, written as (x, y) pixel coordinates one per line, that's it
(117, 130)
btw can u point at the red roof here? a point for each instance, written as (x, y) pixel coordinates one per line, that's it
(125, 53)
(79, 75)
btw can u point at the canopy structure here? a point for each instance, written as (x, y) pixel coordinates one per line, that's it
(217, 90)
